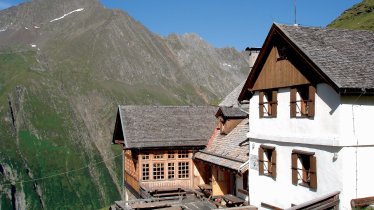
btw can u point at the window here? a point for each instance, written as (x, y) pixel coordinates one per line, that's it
(170, 154)
(304, 170)
(182, 154)
(158, 171)
(158, 155)
(145, 171)
(245, 181)
(183, 170)
(282, 52)
(171, 174)
(302, 101)
(267, 158)
(145, 156)
(268, 103)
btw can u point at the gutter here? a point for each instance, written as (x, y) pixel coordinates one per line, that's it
(221, 156)
(242, 166)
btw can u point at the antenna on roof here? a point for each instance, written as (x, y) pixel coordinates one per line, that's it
(294, 5)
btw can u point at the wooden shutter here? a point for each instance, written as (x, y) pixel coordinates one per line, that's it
(294, 168)
(311, 102)
(293, 102)
(274, 103)
(261, 104)
(274, 163)
(260, 161)
(313, 172)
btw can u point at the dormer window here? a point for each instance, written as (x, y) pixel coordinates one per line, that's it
(268, 103)
(302, 101)
(281, 53)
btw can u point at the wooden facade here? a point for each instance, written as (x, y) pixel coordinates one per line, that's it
(158, 169)
(226, 125)
(278, 72)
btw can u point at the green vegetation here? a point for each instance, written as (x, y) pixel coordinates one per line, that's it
(360, 16)
(46, 145)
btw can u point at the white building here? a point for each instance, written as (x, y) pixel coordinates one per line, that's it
(311, 95)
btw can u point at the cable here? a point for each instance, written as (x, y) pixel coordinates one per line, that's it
(63, 173)
(354, 134)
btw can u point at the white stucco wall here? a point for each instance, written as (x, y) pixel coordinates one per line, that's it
(357, 173)
(342, 125)
(322, 129)
(356, 122)
(281, 192)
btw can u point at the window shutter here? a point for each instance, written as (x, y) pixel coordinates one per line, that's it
(274, 163)
(293, 102)
(274, 103)
(311, 102)
(260, 160)
(294, 168)
(313, 172)
(261, 104)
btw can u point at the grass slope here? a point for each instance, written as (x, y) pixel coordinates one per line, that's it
(360, 16)
(43, 144)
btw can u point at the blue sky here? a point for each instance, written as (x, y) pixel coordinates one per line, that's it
(225, 23)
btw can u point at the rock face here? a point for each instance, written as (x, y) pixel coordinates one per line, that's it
(65, 66)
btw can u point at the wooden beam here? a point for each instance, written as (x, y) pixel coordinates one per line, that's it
(119, 141)
(266, 205)
(361, 202)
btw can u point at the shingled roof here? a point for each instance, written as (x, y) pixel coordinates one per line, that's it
(230, 151)
(231, 112)
(231, 100)
(345, 56)
(165, 126)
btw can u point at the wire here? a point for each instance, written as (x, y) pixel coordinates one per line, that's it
(63, 173)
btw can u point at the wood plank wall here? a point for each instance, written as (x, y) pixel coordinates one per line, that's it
(278, 72)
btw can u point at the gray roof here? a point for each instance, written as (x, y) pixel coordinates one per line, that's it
(230, 151)
(231, 100)
(345, 56)
(166, 126)
(231, 112)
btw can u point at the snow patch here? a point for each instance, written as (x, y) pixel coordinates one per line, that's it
(3, 28)
(225, 64)
(59, 18)
(26, 28)
(33, 45)
(36, 27)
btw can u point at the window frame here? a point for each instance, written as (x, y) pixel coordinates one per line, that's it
(184, 173)
(270, 164)
(305, 174)
(302, 107)
(268, 108)
(169, 158)
(147, 172)
(161, 171)
(183, 154)
(173, 170)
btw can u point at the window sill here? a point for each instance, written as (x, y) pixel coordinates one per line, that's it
(268, 175)
(267, 117)
(304, 184)
(302, 117)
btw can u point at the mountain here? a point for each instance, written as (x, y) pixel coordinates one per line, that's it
(360, 16)
(65, 66)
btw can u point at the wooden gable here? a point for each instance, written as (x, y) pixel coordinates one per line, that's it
(278, 71)
(281, 63)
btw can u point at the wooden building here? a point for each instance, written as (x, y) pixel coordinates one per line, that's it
(311, 96)
(223, 164)
(158, 144)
